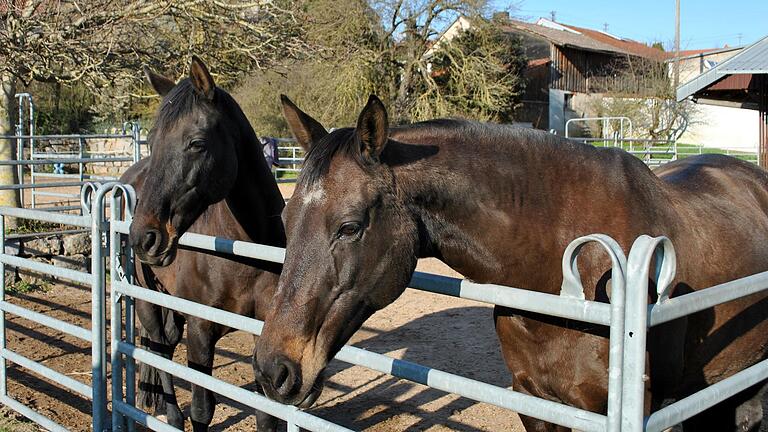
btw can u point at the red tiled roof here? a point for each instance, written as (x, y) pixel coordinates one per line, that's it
(626, 45)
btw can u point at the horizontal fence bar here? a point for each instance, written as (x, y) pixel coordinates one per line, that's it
(64, 137)
(65, 219)
(219, 316)
(252, 399)
(56, 208)
(142, 417)
(66, 161)
(473, 389)
(31, 414)
(41, 185)
(44, 371)
(47, 321)
(9, 237)
(47, 269)
(53, 194)
(550, 304)
(688, 407)
(235, 247)
(587, 311)
(688, 304)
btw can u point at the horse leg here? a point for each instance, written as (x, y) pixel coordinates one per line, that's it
(202, 336)
(264, 421)
(161, 330)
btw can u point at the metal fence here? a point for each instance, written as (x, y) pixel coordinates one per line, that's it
(291, 159)
(628, 315)
(31, 157)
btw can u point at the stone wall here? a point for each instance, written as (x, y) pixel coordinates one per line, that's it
(71, 251)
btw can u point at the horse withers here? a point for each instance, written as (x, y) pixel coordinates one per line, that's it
(206, 174)
(499, 205)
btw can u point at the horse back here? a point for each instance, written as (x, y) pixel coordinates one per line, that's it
(722, 236)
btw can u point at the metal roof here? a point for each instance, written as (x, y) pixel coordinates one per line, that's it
(751, 60)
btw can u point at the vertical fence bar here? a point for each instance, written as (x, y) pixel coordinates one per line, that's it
(80, 148)
(635, 327)
(3, 387)
(20, 156)
(136, 138)
(643, 251)
(98, 324)
(116, 318)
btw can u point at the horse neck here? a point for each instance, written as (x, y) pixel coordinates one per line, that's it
(503, 213)
(254, 203)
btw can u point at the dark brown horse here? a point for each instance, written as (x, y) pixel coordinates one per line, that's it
(500, 205)
(207, 175)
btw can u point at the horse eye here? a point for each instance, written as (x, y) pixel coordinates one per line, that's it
(349, 229)
(197, 145)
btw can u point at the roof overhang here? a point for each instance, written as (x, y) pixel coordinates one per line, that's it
(751, 61)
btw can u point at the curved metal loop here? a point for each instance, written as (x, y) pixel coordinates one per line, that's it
(128, 126)
(86, 193)
(662, 251)
(123, 190)
(572, 286)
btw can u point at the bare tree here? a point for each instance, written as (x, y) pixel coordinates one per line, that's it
(410, 26)
(103, 43)
(641, 89)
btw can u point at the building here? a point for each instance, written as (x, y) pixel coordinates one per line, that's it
(738, 83)
(716, 126)
(568, 66)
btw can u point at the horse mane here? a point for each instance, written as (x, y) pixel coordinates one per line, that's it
(182, 99)
(345, 142)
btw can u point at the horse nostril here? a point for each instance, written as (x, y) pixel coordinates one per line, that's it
(280, 376)
(284, 378)
(151, 240)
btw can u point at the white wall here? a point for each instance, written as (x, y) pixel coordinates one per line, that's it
(724, 127)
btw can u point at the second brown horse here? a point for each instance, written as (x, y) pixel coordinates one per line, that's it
(500, 205)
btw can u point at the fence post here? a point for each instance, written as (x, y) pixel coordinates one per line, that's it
(644, 249)
(98, 319)
(136, 138)
(81, 169)
(3, 388)
(19, 157)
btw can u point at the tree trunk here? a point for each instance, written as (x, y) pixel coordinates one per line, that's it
(8, 147)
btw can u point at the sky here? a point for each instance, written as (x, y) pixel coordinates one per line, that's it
(703, 23)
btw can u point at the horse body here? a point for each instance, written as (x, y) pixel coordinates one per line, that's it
(517, 220)
(221, 187)
(500, 205)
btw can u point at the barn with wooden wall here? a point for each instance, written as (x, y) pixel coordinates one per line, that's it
(567, 60)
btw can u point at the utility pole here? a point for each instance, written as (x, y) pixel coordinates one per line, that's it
(553, 16)
(605, 27)
(677, 44)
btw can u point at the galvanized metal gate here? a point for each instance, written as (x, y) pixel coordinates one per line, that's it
(628, 315)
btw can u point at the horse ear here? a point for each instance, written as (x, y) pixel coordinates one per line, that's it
(201, 79)
(161, 84)
(373, 128)
(304, 128)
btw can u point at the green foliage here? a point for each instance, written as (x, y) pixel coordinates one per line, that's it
(332, 84)
(27, 226)
(62, 108)
(24, 287)
(478, 75)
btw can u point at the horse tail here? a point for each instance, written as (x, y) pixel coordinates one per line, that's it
(149, 394)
